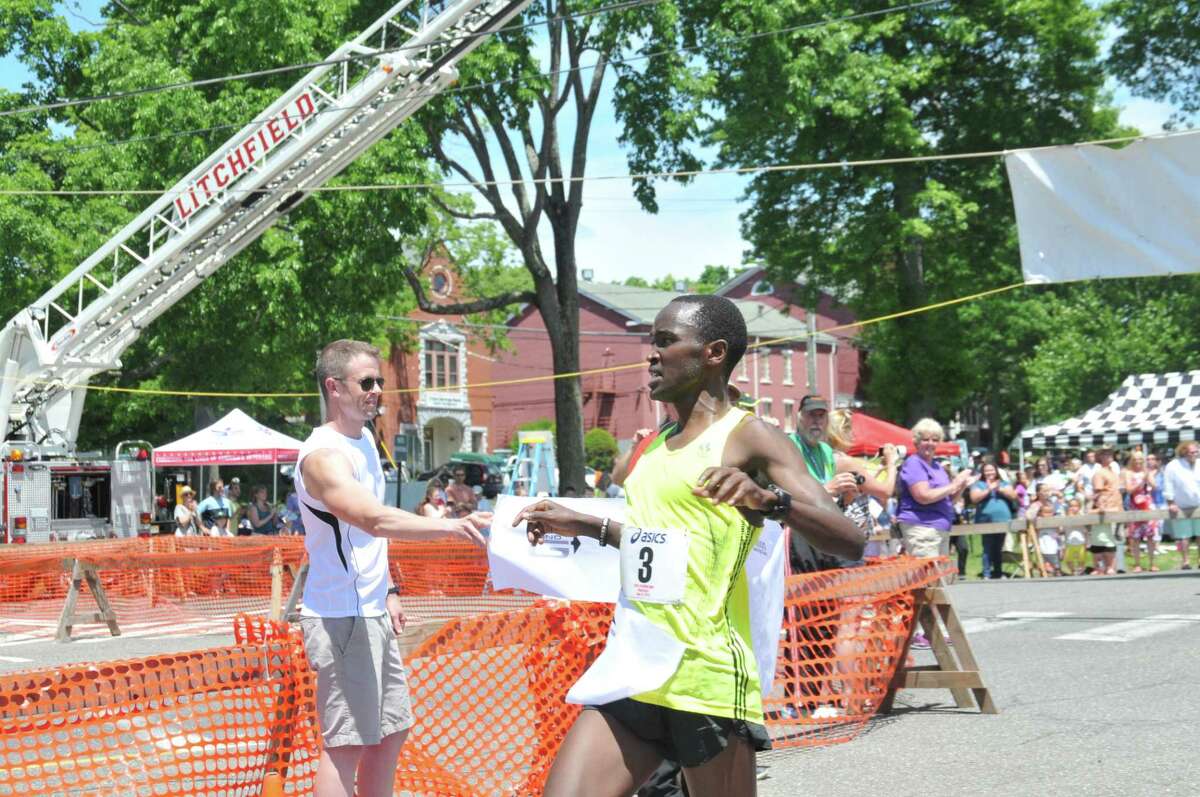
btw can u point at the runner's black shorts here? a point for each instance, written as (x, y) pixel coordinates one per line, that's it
(683, 736)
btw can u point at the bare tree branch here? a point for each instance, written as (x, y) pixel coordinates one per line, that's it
(585, 110)
(464, 308)
(458, 214)
(128, 11)
(496, 124)
(510, 223)
(149, 369)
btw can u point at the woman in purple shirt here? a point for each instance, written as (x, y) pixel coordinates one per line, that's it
(926, 507)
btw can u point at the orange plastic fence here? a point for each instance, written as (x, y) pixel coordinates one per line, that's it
(488, 692)
(843, 634)
(199, 723)
(167, 579)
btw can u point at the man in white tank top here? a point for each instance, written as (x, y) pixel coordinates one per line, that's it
(351, 612)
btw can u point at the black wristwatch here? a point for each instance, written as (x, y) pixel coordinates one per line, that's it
(393, 590)
(783, 503)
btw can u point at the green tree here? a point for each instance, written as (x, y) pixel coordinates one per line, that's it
(710, 279)
(255, 326)
(601, 448)
(538, 425)
(527, 126)
(1100, 333)
(1157, 50)
(942, 79)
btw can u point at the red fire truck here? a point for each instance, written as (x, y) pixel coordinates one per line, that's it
(79, 328)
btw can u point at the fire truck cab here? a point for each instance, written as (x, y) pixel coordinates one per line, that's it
(48, 498)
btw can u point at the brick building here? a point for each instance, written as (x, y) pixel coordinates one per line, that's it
(443, 416)
(839, 352)
(614, 323)
(440, 417)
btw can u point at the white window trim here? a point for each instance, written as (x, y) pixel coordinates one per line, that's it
(447, 334)
(789, 413)
(787, 367)
(766, 407)
(743, 374)
(765, 376)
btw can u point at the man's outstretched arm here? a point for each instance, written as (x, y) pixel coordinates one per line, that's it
(329, 478)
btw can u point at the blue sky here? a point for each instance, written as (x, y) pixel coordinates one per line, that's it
(697, 223)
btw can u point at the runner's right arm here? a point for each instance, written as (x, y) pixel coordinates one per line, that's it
(329, 478)
(546, 517)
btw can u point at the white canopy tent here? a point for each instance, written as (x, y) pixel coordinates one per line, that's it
(236, 439)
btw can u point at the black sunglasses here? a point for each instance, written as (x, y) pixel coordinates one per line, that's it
(367, 382)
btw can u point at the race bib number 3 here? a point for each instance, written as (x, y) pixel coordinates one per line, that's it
(654, 564)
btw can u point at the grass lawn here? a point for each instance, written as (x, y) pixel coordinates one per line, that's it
(1165, 558)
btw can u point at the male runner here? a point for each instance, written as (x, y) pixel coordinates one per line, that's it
(716, 473)
(352, 612)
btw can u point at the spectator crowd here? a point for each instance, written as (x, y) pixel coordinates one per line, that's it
(222, 514)
(1096, 480)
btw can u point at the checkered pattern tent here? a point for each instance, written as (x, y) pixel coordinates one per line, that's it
(1158, 409)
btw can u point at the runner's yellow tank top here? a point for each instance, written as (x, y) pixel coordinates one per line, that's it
(717, 674)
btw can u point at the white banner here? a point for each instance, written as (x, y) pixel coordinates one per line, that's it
(1086, 212)
(588, 572)
(562, 567)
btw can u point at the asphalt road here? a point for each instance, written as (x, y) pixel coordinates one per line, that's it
(1096, 680)
(1111, 711)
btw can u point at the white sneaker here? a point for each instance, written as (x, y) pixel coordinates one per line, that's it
(761, 772)
(826, 712)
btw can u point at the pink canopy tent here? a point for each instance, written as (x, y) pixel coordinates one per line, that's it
(236, 439)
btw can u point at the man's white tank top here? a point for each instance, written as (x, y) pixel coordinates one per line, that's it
(347, 567)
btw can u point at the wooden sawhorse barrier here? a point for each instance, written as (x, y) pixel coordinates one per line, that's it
(956, 668)
(82, 571)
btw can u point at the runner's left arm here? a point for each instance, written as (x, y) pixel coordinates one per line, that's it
(756, 449)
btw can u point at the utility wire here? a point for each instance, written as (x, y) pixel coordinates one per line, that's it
(501, 382)
(189, 84)
(491, 84)
(677, 173)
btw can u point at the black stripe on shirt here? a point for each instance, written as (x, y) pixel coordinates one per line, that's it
(332, 521)
(740, 673)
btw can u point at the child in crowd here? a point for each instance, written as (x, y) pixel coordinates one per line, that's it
(1074, 559)
(1049, 541)
(1145, 531)
(1045, 497)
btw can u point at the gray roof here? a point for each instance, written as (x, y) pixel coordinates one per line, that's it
(640, 305)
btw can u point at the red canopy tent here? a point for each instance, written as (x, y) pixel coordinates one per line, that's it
(872, 434)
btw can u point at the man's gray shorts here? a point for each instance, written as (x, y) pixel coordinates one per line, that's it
(362, 691)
